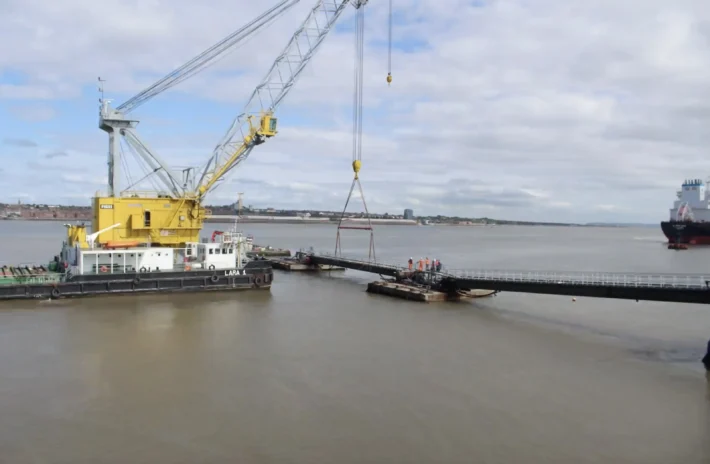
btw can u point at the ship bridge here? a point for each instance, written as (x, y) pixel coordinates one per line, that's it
(692, 201)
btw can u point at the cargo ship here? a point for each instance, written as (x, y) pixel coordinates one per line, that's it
(689, 222)
(87, 268)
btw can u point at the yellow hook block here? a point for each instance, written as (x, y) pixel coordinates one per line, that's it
(389, 78)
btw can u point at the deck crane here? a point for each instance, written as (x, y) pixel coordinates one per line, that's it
(175, 215)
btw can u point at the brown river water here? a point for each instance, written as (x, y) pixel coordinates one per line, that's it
(319, 371)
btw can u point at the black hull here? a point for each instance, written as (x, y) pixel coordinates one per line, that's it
(255, 276)
(693, 233)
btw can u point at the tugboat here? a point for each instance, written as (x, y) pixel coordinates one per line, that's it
(85, 267)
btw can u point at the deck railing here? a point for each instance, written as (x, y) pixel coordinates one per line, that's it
(647, 280)
(356, 260)
(587, 278)
(119, 269)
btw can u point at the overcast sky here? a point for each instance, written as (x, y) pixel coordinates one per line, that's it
(517, 109)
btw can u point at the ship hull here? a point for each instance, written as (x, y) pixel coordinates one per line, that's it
(254, 276)
(692, 233)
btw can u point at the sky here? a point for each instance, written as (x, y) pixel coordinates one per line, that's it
(545, 110)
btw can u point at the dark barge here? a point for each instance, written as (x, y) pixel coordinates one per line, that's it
(254, 275)
(85, 267)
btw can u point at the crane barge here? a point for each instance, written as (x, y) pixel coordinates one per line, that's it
(149, 241)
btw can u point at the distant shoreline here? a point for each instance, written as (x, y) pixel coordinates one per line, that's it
(387, 222)
(305, 222)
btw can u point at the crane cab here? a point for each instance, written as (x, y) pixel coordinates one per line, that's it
(268, 125)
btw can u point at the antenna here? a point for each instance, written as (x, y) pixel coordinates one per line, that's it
(101, 87)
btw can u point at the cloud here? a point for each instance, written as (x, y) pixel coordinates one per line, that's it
(13, 142)
(610, 208)
(565, 111)
(56, 154)
(28, 92)
(33, 113)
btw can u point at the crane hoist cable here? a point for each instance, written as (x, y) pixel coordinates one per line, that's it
(357, 93)
(389, 46)
(357, 135)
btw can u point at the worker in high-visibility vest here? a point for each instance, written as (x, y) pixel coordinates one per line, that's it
(411, 264)
(421, 264)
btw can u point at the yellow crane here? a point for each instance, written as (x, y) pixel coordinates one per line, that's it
(174, 214)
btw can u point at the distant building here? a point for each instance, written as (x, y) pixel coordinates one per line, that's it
(408, 214)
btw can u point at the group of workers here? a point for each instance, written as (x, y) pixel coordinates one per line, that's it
(425, 265)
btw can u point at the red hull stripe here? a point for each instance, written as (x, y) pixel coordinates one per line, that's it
(697, 240)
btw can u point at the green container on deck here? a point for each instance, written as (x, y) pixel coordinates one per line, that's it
(48, 278)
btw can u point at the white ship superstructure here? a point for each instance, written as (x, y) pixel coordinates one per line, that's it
(226, 250)
(693, 202)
